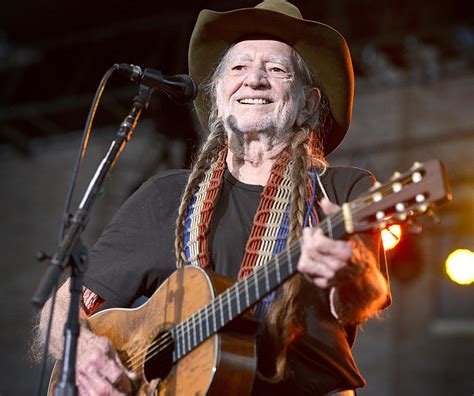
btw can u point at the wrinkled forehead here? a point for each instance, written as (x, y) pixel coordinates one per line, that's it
(269, 50)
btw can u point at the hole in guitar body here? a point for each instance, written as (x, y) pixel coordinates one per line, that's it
(159, 357)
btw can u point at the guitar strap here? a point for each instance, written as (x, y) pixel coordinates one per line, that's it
(270, 228)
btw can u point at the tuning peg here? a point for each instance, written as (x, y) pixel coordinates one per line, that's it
(395, 175)
(402, 216)
(416, 165)
(396, 187)
(376, 185)
(416, 177)
(380, 215)
(400, 207)
(420, 198)
(423, 207)
(377, 197)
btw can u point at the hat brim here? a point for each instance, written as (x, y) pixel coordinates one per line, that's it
(322, 47)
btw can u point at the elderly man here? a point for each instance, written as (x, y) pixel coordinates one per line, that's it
(276, 97)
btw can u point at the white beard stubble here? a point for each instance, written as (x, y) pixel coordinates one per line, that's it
(275, 128)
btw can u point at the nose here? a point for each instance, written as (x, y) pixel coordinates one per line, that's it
(256, 78)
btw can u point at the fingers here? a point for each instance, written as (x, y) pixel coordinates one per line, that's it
(123, 380)
(322, 258)
(116, 375)
(100, 371)
(91, 383)
(320, 247)
(328, 207)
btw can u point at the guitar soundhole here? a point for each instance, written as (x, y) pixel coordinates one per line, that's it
(159, 357)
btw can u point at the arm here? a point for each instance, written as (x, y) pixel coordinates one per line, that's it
(128, 259)
(358, 290)
(98, 368)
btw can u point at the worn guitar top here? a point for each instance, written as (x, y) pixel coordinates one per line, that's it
(135, 254)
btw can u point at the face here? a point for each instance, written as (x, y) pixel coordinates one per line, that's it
(258, 91)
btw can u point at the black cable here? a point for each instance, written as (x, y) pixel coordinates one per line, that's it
(83, 148)
(65, 217)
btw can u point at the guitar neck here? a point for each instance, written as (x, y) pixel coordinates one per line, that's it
(245, 293)
(405, 196)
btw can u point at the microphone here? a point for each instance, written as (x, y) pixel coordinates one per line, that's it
(181, 88)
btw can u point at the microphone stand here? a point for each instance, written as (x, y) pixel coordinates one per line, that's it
(71, 252)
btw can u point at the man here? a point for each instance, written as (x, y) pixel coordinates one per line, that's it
(276, 97)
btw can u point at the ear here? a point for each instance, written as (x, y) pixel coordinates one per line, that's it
(312, 100)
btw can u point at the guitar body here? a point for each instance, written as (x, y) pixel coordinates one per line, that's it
(195, 332)
(224, 363)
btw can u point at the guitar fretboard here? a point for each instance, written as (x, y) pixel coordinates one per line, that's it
(233, 301)
(243, 295)
(404, 196)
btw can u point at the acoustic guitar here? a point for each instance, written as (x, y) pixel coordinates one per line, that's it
(195, 335)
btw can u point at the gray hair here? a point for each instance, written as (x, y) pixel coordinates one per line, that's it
(303, 71)
(305, 153)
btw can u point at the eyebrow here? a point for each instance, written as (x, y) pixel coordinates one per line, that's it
(271, 59)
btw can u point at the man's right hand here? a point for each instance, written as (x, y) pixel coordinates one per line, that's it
(99, 370)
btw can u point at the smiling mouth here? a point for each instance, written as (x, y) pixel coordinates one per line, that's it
(254, 101)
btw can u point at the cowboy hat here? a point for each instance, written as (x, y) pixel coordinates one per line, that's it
(322, 47)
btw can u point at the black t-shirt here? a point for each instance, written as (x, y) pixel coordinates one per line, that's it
(232, 221)
(135, 254)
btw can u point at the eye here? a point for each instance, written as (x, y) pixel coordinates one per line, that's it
(276, 69)
(238, 67)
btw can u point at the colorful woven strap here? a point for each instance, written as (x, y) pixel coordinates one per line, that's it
(270, 225)
(270, 228)
(198, 220)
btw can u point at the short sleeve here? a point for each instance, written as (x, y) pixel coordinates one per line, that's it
(135, 253)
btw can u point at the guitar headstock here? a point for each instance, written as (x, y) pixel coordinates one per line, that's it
(406, 196)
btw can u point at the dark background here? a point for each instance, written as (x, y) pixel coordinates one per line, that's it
(53, 53)
(414, 62)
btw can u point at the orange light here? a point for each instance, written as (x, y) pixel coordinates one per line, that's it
(391, 236)
(460, 266)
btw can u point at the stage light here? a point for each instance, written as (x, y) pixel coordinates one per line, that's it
(391, 236)
(460, 266)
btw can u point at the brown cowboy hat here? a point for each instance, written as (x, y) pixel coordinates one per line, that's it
(323, 48)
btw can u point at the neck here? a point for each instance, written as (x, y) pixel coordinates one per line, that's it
(250, 159)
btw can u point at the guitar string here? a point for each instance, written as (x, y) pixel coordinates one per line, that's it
(337, 218)
(159, 345)
(354, 204)
(181, 330)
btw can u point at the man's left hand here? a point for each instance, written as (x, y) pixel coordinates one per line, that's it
(322, 258)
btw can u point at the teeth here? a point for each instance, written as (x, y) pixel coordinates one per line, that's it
(253, 101)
